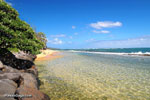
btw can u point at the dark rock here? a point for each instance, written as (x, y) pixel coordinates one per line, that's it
(36, 94)
(30, 81)
(10, 76)
(9, 59)
(8, 69)
(23, 64)
(9, 82)
(33, 70)
(19, 75)
(145, 54)
(7, 87)
(25, 56)
(30, 87)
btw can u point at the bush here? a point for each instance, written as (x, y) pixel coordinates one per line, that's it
(15, 33)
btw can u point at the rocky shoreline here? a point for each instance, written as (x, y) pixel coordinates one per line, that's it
(19, 77)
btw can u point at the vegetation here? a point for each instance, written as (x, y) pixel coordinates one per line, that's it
(41, 36)
(17, 34)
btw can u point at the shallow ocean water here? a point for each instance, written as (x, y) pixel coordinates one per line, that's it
(84, 76)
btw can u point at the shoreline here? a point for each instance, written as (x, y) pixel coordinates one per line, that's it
(48, 55)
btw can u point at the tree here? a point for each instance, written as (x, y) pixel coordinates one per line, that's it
(41, 36)
(15, 33)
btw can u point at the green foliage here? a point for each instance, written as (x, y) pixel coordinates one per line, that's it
(41, 36)
(13, 49)
(15, 33)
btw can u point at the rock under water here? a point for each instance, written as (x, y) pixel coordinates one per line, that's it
(19, 77)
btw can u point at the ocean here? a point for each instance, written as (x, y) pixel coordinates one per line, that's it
(118, 50)
(92, 76)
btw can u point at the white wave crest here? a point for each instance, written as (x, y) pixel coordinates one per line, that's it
(115, 53)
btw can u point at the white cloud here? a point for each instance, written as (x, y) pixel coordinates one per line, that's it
(105, 24)
(90, 40)
(101, 32)
(75, 33)
(70, 37)
(73, 27)
(127, 43)
(8, 2)
(55, 41)
(58, 35)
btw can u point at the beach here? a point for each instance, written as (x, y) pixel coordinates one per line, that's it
(87, 76)
(48, 55)
(74, 50)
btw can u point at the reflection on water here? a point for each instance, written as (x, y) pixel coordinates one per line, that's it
(82, 76)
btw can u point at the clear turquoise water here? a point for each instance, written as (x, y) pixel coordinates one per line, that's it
(117, 50)
(84, 76)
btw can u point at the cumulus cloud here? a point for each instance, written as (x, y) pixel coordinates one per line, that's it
(58, 35)
(73, 27)
(105, 24)
(55, 41)
(127, 43)
(101, 32)
(75, 33)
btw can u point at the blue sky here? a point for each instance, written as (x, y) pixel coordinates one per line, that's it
(88, 23)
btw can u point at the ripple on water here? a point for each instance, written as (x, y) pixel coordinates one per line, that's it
(96, 77)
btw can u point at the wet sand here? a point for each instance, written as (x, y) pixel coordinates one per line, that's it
(48, 55)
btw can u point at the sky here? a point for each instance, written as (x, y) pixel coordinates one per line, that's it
(77, 24)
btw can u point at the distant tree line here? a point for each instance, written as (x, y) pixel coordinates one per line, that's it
(17, 34)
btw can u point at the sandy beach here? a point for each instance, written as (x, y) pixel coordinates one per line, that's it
(48, 55)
